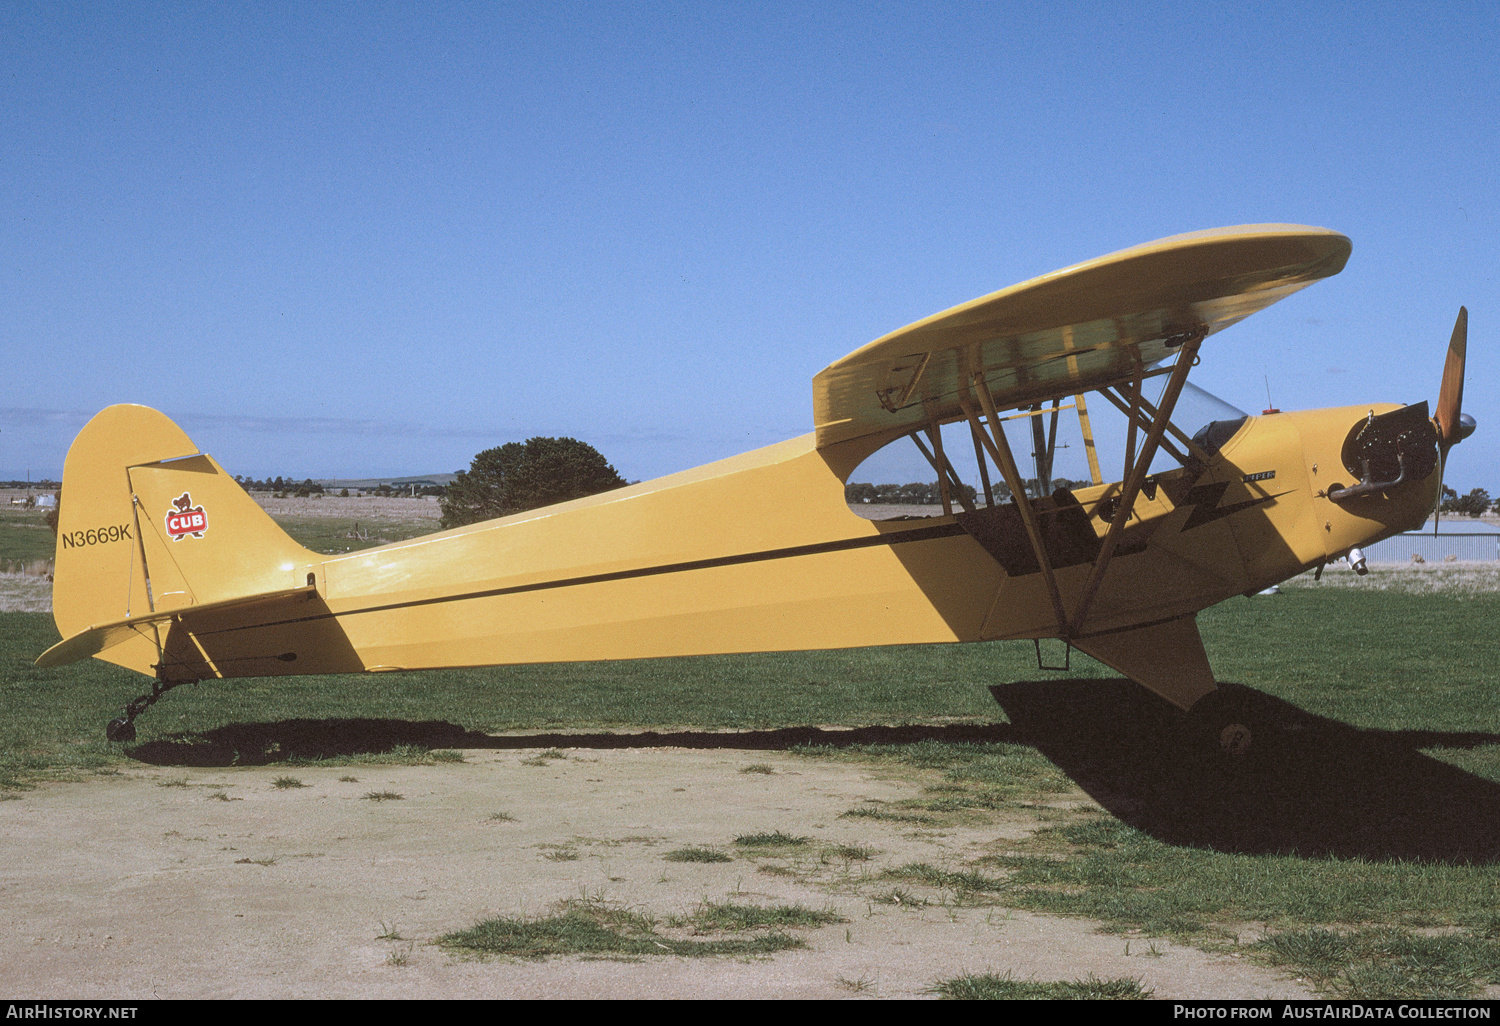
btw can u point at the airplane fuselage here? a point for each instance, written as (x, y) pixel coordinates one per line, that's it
(762, 553)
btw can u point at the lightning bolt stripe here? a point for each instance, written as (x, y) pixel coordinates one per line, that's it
(1205, 499)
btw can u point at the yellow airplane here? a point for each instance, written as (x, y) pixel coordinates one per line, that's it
(166, 566)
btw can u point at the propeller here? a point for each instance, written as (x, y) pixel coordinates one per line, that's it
(1453, 425)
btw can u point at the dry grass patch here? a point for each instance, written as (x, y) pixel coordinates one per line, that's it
(603, 930)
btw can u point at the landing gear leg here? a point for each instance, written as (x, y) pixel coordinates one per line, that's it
(122, 728)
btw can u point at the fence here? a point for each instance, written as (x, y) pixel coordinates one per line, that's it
(1466, 548)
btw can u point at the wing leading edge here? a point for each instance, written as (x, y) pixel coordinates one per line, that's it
(1085, 327)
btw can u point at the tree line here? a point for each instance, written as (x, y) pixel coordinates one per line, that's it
(308, 487)
(1476, 503)
(303, 488)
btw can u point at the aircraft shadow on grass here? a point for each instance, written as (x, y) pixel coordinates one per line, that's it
(1322, 788)
(1319, 787)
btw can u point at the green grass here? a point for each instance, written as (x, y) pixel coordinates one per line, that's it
(730, 917)
(331, 535)
(1106, 869)
(286, 783)
(24, 537)
(1366, 657)
(695, 854)
(849, 853)
(1282, 645)
(602, 930)
(1387, 964)
(902, 897)
(53, 719)
(1408, 668)
(979, 778)
(775, 839)
(1005, 988)
(962, 883)
(1102, 869)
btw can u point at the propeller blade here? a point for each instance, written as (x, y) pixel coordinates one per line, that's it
(1449, 416)
(1451, 395)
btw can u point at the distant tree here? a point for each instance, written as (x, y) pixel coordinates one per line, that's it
(1465, 504)
(516, 477)
(52, 511)
(1473, 504)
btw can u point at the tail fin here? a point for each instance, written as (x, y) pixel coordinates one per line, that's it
(148, 525)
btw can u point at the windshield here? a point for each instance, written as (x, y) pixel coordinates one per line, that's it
(1203, 416)
(1208, 419)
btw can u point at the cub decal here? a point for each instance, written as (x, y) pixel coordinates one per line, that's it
(186, 519)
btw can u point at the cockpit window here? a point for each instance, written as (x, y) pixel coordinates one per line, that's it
(1219, 419)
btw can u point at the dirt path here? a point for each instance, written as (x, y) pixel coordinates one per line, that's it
(177, 883)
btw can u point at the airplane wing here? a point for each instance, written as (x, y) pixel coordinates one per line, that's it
(1086, 327)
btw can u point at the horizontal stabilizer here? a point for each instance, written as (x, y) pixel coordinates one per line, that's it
(102, 636)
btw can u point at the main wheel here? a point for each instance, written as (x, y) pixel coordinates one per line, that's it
(1236, 739)
(120, 729)
(1227, 724)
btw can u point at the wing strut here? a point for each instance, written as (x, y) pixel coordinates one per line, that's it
(1182, 436)
(1141, 413)
(1041, 452)
(1095, 474)
(1137, 475)
(999, 450)
(1044, 442)
(948, 482)
(1132, 415)
(984, 464)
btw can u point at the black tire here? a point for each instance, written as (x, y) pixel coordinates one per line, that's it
(1227, 725)
(120, 729)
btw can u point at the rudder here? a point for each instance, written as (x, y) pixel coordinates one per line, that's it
(148, 524)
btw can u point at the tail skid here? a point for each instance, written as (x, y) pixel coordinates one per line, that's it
(149, 529)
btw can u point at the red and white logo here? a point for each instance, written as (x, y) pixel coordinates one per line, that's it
(186, 519)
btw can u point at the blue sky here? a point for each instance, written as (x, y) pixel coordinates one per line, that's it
(357, 240)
